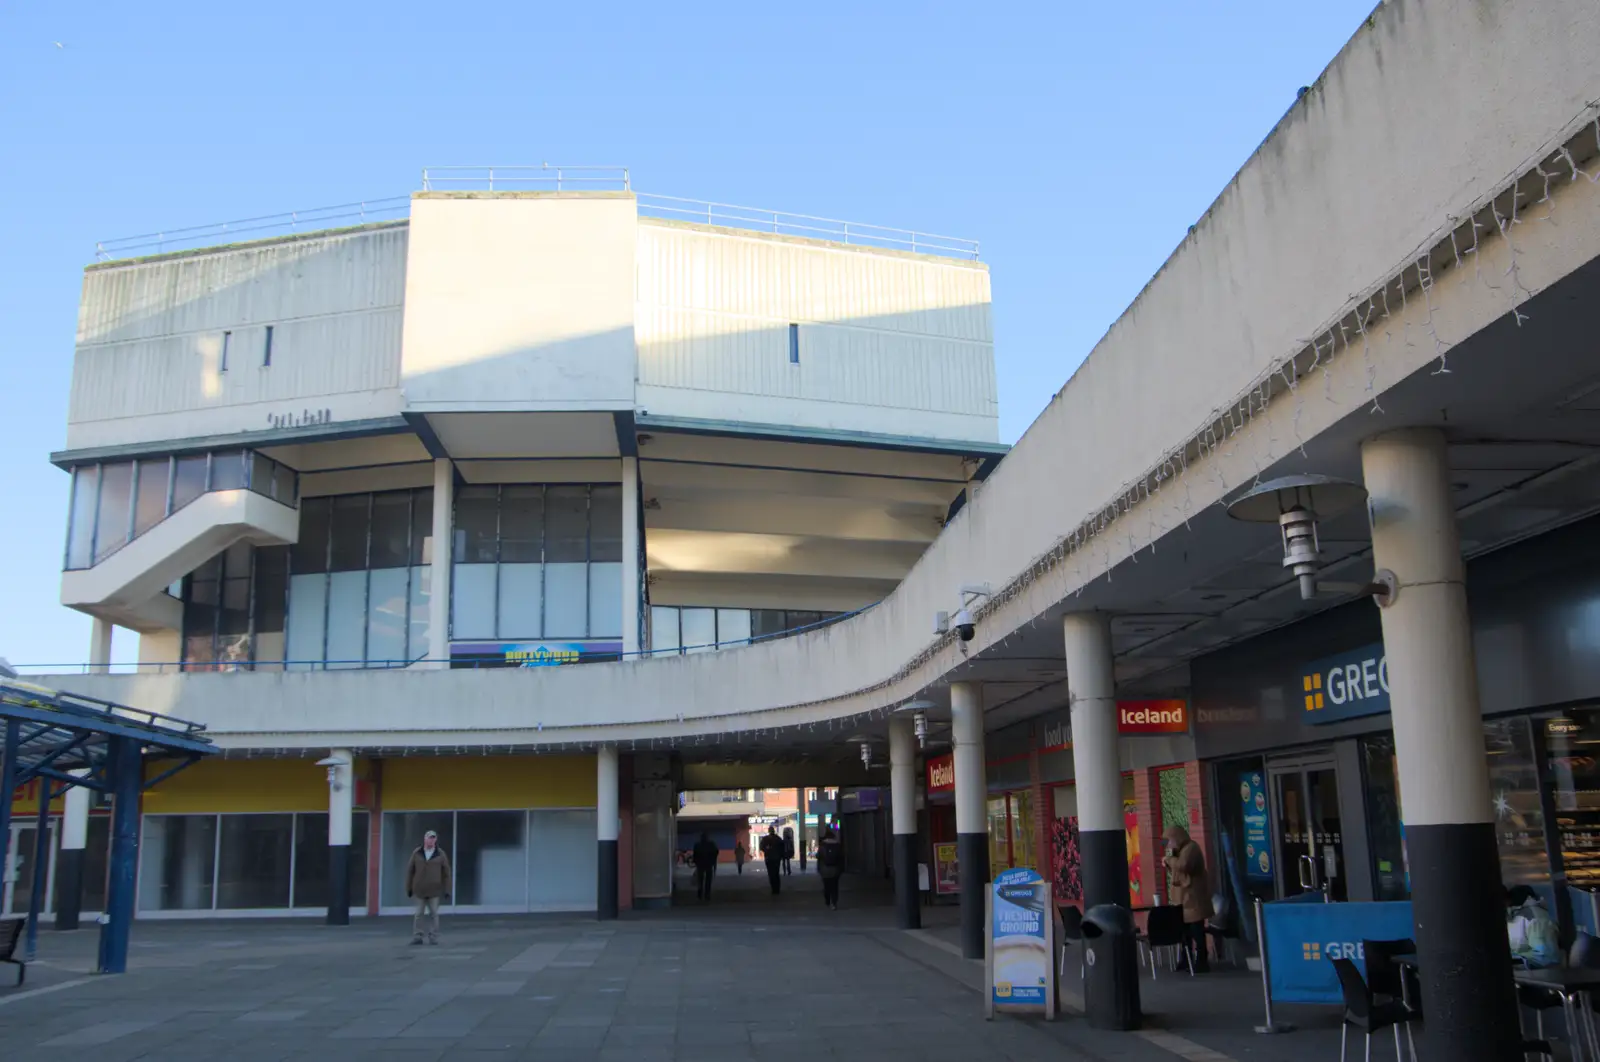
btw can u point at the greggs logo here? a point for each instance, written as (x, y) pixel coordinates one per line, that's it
(1153, 717)
(941, 774)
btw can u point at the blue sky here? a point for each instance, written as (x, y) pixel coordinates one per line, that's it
(1078, 142)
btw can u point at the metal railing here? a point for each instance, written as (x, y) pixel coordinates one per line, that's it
(855, 233)
(317, 218)
(525, 178)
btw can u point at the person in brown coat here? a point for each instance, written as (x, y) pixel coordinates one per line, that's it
(427, 882)
(1186, 873)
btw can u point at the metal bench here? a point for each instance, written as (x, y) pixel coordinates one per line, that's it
(10, 937)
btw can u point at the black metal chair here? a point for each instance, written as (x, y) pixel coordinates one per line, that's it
(1163, 928)
(1366, 1013)
(1071, 933)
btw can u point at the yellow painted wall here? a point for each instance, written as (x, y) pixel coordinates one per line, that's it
(25, 801)
(220, 785)
(426, 783)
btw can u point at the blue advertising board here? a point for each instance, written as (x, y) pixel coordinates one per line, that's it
(1020, 952)
(1257, 848)
(1347, 686)
(1302, 938)
(531, 654)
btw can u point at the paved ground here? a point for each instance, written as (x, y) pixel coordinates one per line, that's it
(743, 977)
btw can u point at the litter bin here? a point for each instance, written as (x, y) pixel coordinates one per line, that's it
(1111, 968)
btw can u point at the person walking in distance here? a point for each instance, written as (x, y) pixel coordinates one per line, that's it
(830, 864)
(738, 856)
(788, 849)
(772, 853)
(706, 854)
(427, 882)
(1186, 870)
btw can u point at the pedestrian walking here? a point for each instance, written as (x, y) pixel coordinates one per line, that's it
(788, 849)
(427, 882)
(739, 855)
(706, 854)
(1186, 870)
(772, 853)
(830, 864)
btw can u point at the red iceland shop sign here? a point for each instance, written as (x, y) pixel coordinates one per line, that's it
(942, 774)
(1153, 717)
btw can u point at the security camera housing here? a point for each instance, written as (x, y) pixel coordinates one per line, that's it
(962, 622)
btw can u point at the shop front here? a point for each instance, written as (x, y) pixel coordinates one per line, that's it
(1295, 730)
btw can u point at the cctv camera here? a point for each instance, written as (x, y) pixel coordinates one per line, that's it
(964, 625)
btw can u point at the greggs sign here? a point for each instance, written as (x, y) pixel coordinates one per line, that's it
(1153, 717)
(942, 774)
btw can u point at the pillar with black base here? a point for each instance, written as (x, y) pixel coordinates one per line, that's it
(125, 774)
(69, 859)
(341, 806)
(903, 808)
(972, 805)
(1456, 888)
(1110, 1001)
(606, 823)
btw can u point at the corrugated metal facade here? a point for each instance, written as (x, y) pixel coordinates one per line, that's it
(876, 329)
(150, 334)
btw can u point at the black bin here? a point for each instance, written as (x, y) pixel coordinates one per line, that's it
(1111, 968)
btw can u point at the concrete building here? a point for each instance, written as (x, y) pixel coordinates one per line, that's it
(1393, 292)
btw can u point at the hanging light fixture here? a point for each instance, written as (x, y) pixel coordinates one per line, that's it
(1295, 504)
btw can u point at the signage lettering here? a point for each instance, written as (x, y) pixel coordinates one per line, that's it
(530, 654)
(941, 774)
(306, 418)
(1152, 717)
(1347, 686)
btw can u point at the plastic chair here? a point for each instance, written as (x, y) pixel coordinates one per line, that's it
(1367, 1014)
(1387, 979)
(1164, 929)
(1071, 932)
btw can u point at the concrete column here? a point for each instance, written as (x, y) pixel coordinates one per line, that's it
(606, 822)
(903, 807)
(1456, 887)
(69, 860)
(800, 827)
(125, 771)
(630, 557)
(972, 819)
(444, 492)
(100, 646)
(341, 805)
(1097, 770)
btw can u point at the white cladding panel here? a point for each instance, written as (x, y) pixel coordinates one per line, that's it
(520, 302)
(889, 343)
(148, 364)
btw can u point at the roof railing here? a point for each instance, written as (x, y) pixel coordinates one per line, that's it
(855, 233)
(330, 217)
(525, 178)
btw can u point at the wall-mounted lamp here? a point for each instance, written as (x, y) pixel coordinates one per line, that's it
(866, 754)
(333, 763)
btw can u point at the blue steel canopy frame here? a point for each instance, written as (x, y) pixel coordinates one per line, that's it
(66, 739)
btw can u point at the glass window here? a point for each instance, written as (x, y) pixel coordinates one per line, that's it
(699, 629)
(347, 615)
(490, 859)
(733, 625)
(664, 629)
(417, 646)
(272, 589)
(566, 600)
(422, 526)
(1385, 834)
(201, 601)
(476, 526)
(311, 859)
(521, 601)
(521, 524)
(800, 620)
(472, 601)
(311, 551)
(391, 530)
(1022, 829)
(766, 622)
(253, 865)
(189, 480)
(1514, 788)
(178, 862)
(386, 617)
(605, 523)
(308, 610)
(566, 524)
(562, 860)
(80, 527)
(348, 532)
(116, 509)
(233, 617)
(605, 600)
(999, 834)
(260, 474)
(228, 470)
(96, 864)
(283, 484)
(150, 503)
(402, 835)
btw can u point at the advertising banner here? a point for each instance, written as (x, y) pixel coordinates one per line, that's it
(530, 654)
(1347, 686)
(1153, 717)
(1303, 937)
(947, 871)
(1257, 847)
(942, 774)
(1020, 970)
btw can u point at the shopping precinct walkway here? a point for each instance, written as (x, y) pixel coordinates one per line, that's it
(739, 980)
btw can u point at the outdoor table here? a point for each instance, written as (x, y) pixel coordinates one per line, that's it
(1572, 984)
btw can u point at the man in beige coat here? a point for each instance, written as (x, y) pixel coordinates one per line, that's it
(427, 882)
(1191, 889)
